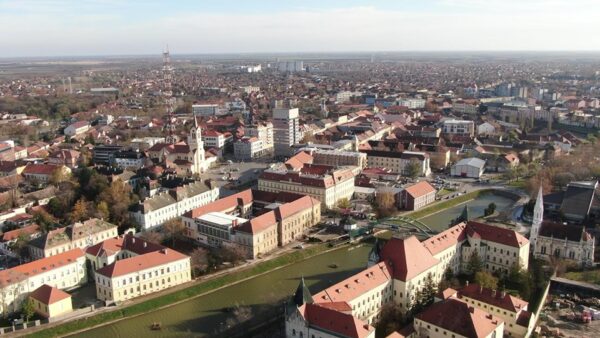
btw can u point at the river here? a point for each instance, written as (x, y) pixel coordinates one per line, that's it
(440, 221)
(204, 316)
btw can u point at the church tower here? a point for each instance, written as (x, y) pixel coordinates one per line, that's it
(196, 145)
(538, 217)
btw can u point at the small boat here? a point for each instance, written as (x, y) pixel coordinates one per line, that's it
(155, 326)
(333, 266)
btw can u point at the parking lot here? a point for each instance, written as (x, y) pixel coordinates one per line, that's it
(235, 173)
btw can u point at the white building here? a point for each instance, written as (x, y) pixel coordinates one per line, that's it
(412, 103)
(248, 148)
(469, 167)
(77, 128)
(286, 130)
(215, 139)
(206, 109)
(486, 129)
(264, 132)
(291, 66)
(167, 205)
(458, 127)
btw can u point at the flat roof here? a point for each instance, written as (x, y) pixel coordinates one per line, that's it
(221, 218)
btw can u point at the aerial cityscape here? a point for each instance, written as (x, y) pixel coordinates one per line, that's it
(299, 169)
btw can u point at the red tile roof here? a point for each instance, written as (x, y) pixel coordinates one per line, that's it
(496, 234)
(330, 320)
(445, 239)
(259, 223)
(141, 262)
(420, 189)
(460, 318)
(355, 286)
(40, 169)
(13, 234)
(24, 271)
(407, 257)
(47, 294)
(127, 242)
(299, 160)
(493, 297)
(223, 204)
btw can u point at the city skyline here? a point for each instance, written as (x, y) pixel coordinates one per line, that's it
(106, 27)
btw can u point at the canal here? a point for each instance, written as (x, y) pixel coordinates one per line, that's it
(440, 220)
(210, 314)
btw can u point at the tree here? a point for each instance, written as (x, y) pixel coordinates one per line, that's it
(474, 264)
(118, 198)
(102, 210)
(79, 212)
(19, 247)
(344, 203)
(486, 280)
(425, 295)
(491, 208)
(152, 237)
(232, 253)
(42, 218)
(391, 319)
(386, 203)
(174, 229)
(413, 169)
(59, 175)
(28, 309)
(199, 260)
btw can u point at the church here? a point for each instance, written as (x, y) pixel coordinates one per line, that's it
(561, 240)
(185, 157)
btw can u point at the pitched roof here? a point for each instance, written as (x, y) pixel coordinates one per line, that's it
(493, 297)
(71, 233)
(331, 320)
(299, 160)
(245, 197)
(460, 318)
(259, 223)
(141, 262)
(496, 234)
(355, 286)
(127, 242)
(40, 169)
(13, 234)
(420, 189)
(47, 294)
(572, 233)
(407, 257)
(24, 271)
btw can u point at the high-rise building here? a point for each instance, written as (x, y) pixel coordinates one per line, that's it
(286, 131)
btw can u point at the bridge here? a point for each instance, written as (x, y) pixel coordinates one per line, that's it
(407, 223)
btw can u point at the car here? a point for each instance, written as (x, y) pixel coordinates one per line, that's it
(299, 246)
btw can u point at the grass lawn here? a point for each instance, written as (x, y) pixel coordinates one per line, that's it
(180, 295)
(443, 192)
(441, 205)
(590, 276)
(517, 184)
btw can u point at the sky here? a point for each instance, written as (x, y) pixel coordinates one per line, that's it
(38, 28)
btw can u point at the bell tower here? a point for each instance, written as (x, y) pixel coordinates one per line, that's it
(538, 218)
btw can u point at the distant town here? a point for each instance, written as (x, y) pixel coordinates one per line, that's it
(312, 195)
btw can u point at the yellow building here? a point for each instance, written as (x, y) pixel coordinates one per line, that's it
(50, 302)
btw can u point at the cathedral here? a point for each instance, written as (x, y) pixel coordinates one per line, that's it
(550, 239)
(186, 158)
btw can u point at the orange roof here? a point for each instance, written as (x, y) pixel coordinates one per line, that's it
(420, 189)
(445, 239)
(493, 297)
(297, 161)
(408, 257)
(13, 234)
(355, 286)
(296, 206)
(47, 294)
(259, 223)
(24, 271)
(496, 234)
(141, 262)
(221, 205)
(330, 320)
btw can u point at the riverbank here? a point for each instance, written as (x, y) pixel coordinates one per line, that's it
(443, 205)
(197, 289)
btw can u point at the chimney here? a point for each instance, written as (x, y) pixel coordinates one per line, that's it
(480, 289)
(503, 293)
(467, 283)
(494, 293)
(145, 244)
(133, 240)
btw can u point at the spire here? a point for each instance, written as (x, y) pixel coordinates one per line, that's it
(302, 294)
(464, 216)
(538, 218)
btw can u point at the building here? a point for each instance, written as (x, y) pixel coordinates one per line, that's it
(77, 235)
(455, 318)
(129, 159)
(337, 158)
(248, 148)
(291, 66)
(66, 157)
(324, 183)
(215, 139)
(50, 302)
(570, 242)
(417, 196)
(256, 221)
(206, 109)
(166, 205)
(469, 167)
(264, 132)
(286, 130)
(42, 173)
(412, 103)
(104, 154)
(458, 127)
(77, 128)
(65, 271)
(399, 162)
(129, 267)
(401, 267)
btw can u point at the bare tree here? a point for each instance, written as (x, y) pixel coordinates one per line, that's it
(174, 229)
(199, 260)
(152, 237)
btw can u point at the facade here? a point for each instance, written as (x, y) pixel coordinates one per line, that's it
(66, 157)
(206, 109)
(398, 162)
(77, 235)
(164, 206)
(468, 167)
(77, 128)
(264, 132)
(256, 221)
(570, 242)
(417, 196)
(104, 154)
(286, 130)
(66, 270)
(339, 158)
(129, 159)
(51, 302)
(324, 183)
(215, 139)
(135, 274)
(248, 148)
(458, 127)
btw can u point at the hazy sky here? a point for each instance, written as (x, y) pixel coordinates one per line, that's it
(119, 27)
